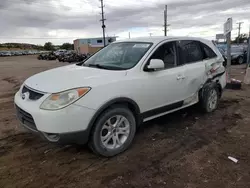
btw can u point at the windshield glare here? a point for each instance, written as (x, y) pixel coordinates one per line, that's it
(120, 56)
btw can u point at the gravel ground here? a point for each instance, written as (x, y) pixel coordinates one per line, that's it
(183, 149)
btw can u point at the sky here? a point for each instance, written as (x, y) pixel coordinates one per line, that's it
(59, 21)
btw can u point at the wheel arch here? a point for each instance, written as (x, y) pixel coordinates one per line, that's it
(131, 104)
(216, 84)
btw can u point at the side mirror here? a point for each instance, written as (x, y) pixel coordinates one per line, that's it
(155, 64)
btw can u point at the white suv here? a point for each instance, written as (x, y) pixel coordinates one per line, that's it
(103, 100)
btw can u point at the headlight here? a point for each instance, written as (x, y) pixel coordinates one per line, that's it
(60, 100)
(20, 89)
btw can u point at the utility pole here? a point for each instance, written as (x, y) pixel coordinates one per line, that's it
(249, 32)
(239, 28)
(129, 35)
(228, 27)
(103, 23)
(248, 49)
(166, 20)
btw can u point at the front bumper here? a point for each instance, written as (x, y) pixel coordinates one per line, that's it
(67, 125)
(79, 137)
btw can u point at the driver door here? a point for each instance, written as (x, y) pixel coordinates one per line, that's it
(163, 90)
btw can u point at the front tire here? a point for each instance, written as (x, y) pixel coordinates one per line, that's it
(113, 131)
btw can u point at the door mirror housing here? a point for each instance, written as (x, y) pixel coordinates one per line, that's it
(155, 64)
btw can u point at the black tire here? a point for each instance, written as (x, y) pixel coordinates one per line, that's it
(95, 142)
(205, 97)
(240, 60)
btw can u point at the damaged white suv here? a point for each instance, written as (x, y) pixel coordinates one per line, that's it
(103, 100)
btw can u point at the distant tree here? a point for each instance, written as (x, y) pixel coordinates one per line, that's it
(67, 46)
(48, 46)
(241, 38)
(38, 47)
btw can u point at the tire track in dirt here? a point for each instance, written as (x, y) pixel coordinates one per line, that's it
(187, 140)
(8, 123)
(157, 147)
(12, 80)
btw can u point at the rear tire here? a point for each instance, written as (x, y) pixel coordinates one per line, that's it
(113, 131)
(240, 60)
(209, 98)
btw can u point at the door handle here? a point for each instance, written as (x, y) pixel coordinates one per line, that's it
(179, 77)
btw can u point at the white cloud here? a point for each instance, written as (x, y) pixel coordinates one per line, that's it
(60, 21)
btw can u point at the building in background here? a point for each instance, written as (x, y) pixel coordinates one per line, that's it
(91, 45)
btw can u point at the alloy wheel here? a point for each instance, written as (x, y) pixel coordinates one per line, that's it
(115, 132)
(212, 100)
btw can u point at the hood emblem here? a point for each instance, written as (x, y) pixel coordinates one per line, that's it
(25, 95)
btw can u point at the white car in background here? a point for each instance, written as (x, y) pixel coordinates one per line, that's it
(59, 52)
(103, 100)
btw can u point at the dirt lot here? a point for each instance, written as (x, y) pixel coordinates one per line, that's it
(184, 149)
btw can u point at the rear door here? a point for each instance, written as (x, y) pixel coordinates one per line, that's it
(213, 62)
(201, 63)
(192, 56)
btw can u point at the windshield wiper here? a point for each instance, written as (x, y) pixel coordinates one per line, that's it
(97, 66)
(105, 67)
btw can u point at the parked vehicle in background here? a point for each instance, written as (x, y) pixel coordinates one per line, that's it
(59, 52)
(69, 56)
(5, 53)
(224, 55)
(103, 100)
(238, 54)
(18, 53)
(42, 56)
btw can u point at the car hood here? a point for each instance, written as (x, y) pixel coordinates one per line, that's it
(236, 53)
(72, 76)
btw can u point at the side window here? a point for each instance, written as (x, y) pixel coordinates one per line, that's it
(99, 41)
(167, 53)
(190, 51)
(208, 52)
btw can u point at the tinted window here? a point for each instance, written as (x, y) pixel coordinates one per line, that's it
(208, 52)
(167, 53)
(99, 41)
(190, 51)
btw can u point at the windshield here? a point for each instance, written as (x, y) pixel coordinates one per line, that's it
(119, 56)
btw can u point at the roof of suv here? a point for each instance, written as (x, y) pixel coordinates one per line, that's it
(156, 40)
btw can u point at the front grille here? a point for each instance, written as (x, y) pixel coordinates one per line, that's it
(26, 118)
(33, 95)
